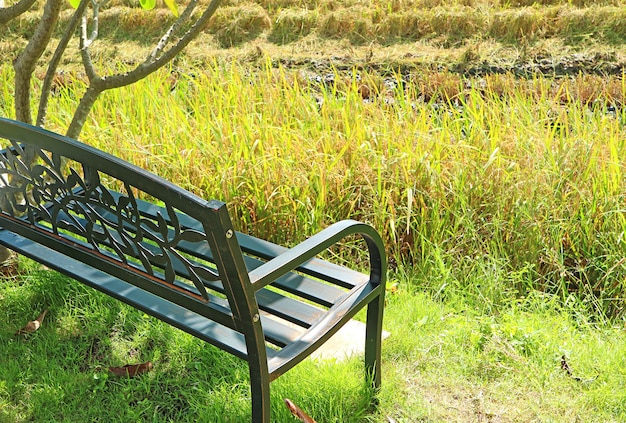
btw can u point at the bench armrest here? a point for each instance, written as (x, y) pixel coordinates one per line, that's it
(306, 250)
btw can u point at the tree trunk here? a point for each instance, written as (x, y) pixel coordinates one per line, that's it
(13, 11)
(70, 29)
(24, 68)
(25, 64)
(83, 109)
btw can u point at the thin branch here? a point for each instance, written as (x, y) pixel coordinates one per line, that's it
(56, 58)
(12, 12)
(172, 29)
(96, 13)
(90, 70)
(99, 84)
(147, 67)
(84, 40)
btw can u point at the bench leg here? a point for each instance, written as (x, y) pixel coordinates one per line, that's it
(260, 390)
(373, 341)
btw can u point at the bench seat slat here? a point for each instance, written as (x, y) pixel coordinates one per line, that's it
(198, 326)
(278, 333)
(294, 283)
(286, 308)
(322, 269)
(290, 309)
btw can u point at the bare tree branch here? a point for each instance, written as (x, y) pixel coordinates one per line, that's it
(70, 29)
(87, 41)
(25, 64)
(8, 13)
(90, 70)
(172, 29)
(83, 109)
(153, 62)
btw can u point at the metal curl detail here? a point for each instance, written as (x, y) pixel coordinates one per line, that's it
(70, 201)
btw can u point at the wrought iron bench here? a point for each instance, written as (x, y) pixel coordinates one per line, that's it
(175, 256)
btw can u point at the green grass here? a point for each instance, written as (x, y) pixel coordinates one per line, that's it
(445, 361)
(59, 373)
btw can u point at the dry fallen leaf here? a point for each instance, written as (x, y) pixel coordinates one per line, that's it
(298, 412)
(10, 268)
(33, 325)
(131, 370)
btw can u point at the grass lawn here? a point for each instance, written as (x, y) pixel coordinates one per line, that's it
(447, 360)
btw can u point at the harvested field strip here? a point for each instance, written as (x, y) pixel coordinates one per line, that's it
(363, 24)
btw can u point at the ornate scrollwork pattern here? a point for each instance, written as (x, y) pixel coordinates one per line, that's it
(67, 199)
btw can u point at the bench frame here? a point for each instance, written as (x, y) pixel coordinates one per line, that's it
(178, 258)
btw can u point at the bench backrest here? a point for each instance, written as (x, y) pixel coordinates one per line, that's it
(58, 192)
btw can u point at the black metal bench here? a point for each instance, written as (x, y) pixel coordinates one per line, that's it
(163, 250)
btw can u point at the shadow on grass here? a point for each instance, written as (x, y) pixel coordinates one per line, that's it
(60, 372)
